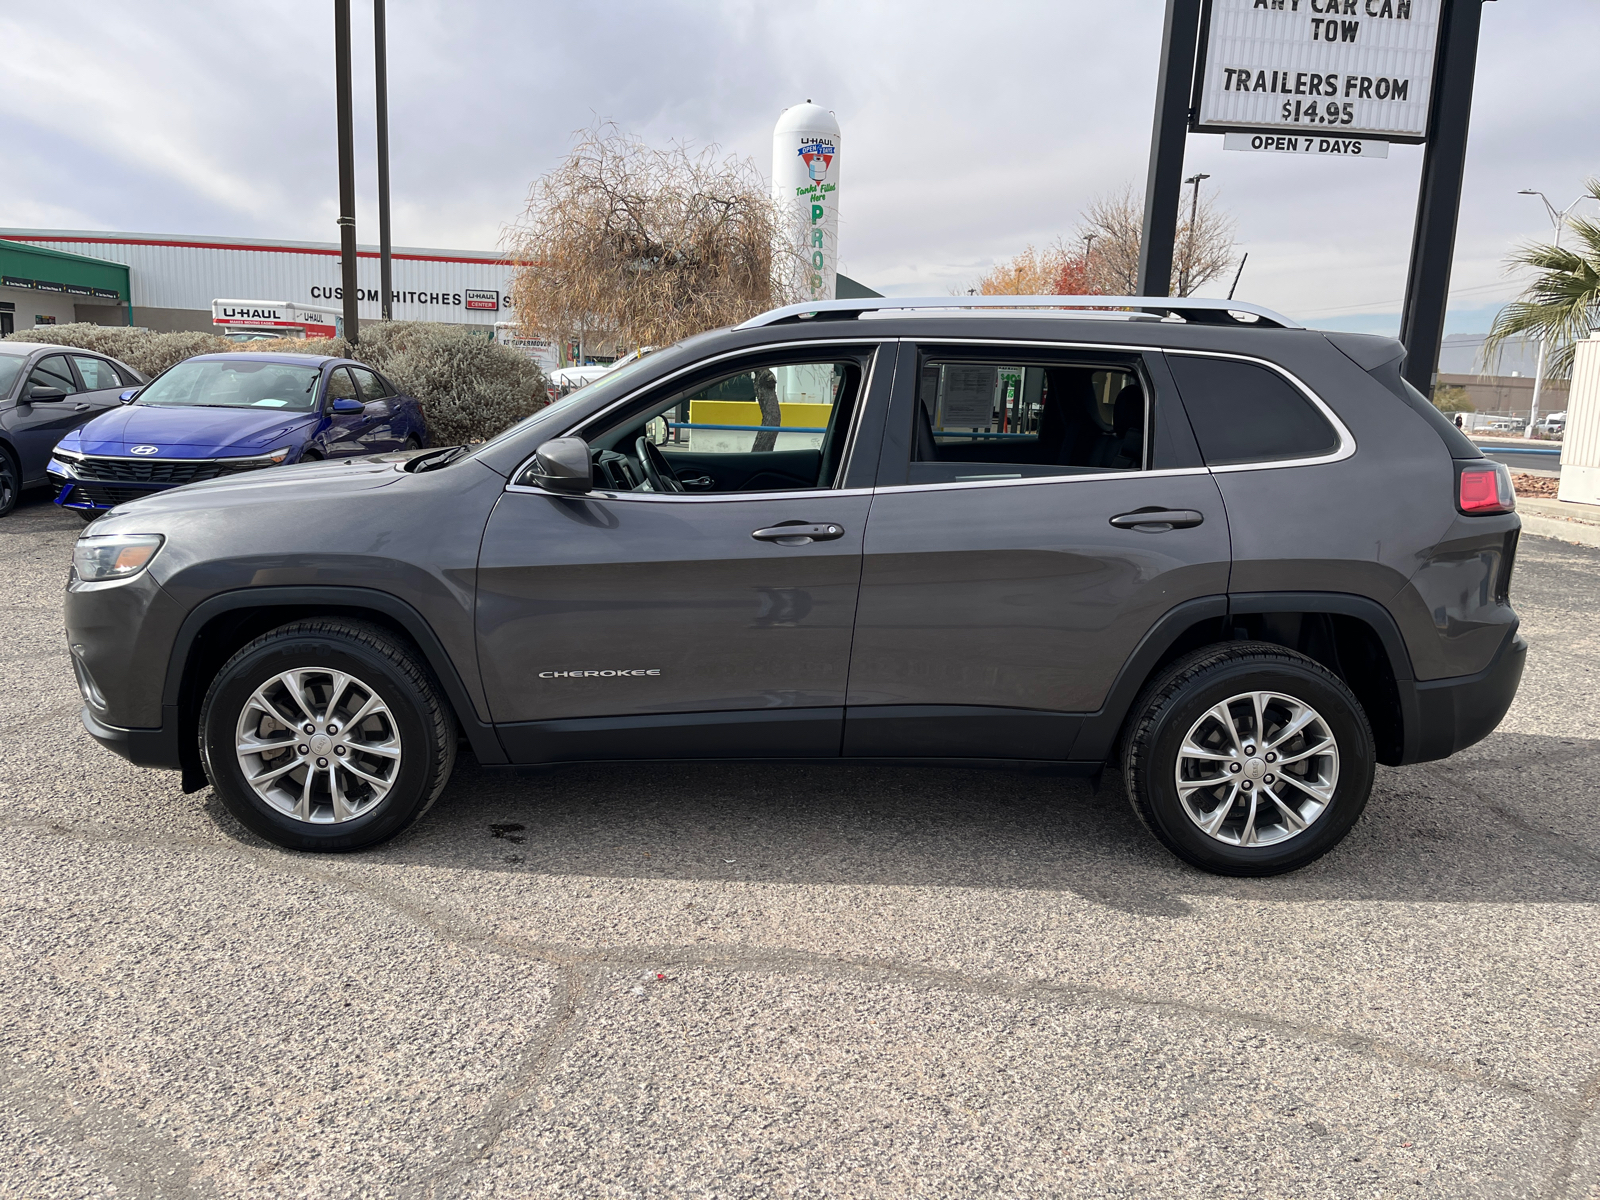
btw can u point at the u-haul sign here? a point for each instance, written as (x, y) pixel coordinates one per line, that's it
(1334, 68)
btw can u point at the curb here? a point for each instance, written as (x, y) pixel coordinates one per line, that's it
(1581, 533)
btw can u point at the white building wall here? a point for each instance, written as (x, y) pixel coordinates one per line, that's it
(180, 272)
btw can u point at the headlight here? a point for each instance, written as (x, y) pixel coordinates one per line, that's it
(278, 455)
(57, 467)
(114, 555)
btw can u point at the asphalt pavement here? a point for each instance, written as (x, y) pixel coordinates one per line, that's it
(752, 981)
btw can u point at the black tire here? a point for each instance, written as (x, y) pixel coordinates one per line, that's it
(412, 443)
(10, 482)
(424, 725)
(87, 514)
(1182, 695)
(310, 456)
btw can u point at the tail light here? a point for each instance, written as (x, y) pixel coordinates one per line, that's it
(1483, 488)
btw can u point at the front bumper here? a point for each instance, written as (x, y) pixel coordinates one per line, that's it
(1443, 716)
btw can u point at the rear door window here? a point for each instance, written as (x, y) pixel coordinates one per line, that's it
(97, 374)
(979, 420)
(1243, 412)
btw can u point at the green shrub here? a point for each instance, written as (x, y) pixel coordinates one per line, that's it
(1452, 398)
(146, 352)
(470, 386)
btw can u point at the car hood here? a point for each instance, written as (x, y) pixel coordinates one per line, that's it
(189, 432)
(301, 481)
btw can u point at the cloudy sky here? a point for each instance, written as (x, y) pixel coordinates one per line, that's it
(969, 129)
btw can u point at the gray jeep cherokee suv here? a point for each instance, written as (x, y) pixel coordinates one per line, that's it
(1240, 559)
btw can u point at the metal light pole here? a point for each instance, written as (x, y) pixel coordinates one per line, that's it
(1188, 251)
(347, 169)
(380, 37)
(1558, 219)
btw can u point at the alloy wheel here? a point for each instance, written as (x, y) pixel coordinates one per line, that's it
(1257, 769)
(318, 745)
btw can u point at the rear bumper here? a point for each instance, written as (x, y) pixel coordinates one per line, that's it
(1443, 716)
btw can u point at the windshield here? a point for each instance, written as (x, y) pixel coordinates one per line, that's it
(10, 368)
(608, 387)
(231, 383)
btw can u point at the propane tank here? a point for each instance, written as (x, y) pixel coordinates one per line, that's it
(805, 183)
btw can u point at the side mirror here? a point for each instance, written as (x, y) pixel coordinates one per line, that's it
(45, 395)
(562, 465)
(127, 396)
(345, 404)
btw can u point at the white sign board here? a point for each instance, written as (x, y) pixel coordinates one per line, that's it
(1331, 145)
(1357, 68)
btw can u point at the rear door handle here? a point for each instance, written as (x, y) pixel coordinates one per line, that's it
(1157, 520)
(799, 534)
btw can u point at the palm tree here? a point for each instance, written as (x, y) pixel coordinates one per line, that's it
(1562, 302)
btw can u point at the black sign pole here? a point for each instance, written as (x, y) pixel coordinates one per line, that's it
(1439, 197)
(347, 168)
(380, 35)
(1164, 184)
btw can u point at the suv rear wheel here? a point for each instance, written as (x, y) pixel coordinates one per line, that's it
(326, 735)
(1248, 759)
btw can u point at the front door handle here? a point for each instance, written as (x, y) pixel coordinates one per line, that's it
(1157, 520)
(798, 533)
(80, 407)
(697, 481)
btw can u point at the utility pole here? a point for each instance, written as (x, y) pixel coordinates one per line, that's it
(380, 37)
(1188, 251)
(1439, 200)
(1163, 185)
(347, 169)
(1558, 219)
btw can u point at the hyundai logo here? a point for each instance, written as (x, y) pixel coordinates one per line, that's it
(146, 450)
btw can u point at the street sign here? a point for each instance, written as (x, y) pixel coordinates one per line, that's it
(1353, 68)
(1331, 146)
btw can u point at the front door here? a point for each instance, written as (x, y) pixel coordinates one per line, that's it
(1008, 570)
(346, 430)
(651, 620)
(36, 426)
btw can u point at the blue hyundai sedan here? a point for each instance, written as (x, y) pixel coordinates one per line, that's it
(220, 414)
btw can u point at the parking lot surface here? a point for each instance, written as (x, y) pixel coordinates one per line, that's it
(770, 980)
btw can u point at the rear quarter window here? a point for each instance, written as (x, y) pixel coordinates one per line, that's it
(1245, 413)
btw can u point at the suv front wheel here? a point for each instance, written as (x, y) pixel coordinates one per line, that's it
(1248, 759)
(326, 735)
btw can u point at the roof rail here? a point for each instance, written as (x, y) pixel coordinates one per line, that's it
(1196, 310)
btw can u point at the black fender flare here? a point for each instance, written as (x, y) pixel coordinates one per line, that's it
(1100, 728)
(480, 734)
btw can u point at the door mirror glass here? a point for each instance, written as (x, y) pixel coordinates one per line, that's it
(562, 465)
(347, 404)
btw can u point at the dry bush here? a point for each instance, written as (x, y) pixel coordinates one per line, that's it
(1117, 223)
(146, 352)
(626, 243)
(470, 387)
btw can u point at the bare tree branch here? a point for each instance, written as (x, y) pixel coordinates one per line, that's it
(625, 242)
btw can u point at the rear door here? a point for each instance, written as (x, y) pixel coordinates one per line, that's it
(646, 622)
(1039, 509)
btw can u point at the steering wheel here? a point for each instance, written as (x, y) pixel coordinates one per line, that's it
(657, 469)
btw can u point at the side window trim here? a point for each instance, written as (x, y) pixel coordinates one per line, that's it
(1347, 441)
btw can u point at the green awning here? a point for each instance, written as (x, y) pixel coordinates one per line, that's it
(89, 280)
